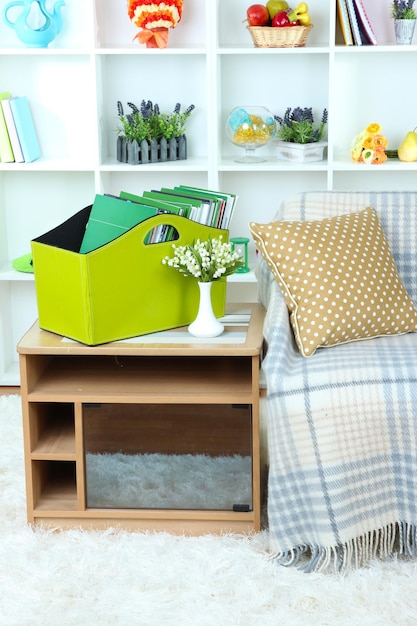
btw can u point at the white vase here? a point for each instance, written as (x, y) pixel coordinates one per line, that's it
(404, 31)
(205, 324)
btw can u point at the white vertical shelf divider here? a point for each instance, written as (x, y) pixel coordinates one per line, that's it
(213, 90)
(331, 97)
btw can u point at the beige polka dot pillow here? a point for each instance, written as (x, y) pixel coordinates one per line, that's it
(338, 277)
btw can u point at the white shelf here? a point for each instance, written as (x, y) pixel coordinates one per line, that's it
(50, 164)
(135, 49)
(272, 164)
(379, 49)
(392, 165)
(188, 165)
(251, 50)
(8, 274)
(73, 87)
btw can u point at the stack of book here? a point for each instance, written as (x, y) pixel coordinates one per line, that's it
(355, 24)
(18, 138)
(111, 216)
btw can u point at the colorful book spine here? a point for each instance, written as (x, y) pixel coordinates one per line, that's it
(25, 127)
(344, 22)
(11, 128)
(354, 22)
(365, 23)
(6, 151)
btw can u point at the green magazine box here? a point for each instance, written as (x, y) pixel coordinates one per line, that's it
(120, 290)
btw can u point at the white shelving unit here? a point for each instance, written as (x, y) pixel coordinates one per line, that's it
(73, 87)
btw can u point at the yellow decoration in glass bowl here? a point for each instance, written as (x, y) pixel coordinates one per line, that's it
(254, 131)
(250, 128)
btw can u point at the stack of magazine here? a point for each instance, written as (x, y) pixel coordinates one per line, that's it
(111, 216)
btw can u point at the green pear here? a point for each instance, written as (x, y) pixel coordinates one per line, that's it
(407, 150)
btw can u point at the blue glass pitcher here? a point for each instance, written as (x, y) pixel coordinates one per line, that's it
(32, 11)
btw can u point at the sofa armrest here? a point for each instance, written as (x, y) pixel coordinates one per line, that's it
(278, 334)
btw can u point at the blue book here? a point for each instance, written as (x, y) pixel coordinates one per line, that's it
(25, 127)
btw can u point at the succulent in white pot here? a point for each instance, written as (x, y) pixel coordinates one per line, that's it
(299, 137)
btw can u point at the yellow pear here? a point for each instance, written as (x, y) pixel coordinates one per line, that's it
(407, 150)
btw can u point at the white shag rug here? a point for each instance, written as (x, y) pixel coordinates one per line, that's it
(156, 579)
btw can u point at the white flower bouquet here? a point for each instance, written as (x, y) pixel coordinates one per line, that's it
(205, 260)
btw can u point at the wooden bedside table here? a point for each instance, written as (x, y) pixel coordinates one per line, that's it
(167, 393)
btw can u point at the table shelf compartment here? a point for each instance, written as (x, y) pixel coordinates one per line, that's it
(92, 377)
(52, 431)
(54, 485)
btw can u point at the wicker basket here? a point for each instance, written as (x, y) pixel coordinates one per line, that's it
(280, 36)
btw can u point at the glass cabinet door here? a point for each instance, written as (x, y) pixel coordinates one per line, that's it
(165, 456)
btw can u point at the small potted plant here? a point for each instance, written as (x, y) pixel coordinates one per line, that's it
(403, 10)
(404, 16)
(299, 138)
(206, 261)
(147, 136)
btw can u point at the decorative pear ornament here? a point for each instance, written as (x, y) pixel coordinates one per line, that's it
(407, 150)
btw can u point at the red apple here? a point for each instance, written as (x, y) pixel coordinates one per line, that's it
(257, 15)
(281, 19)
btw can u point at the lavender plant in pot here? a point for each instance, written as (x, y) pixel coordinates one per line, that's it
(146, 135)
(299, 137)
(404, 16)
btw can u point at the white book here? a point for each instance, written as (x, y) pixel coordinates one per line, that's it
(11, 129)
(354, 23)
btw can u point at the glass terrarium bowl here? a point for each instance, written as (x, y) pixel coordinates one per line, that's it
(250, 127)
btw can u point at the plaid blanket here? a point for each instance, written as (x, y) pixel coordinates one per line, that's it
(342, 425)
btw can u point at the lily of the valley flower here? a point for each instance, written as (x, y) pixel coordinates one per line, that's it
(205, 260)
